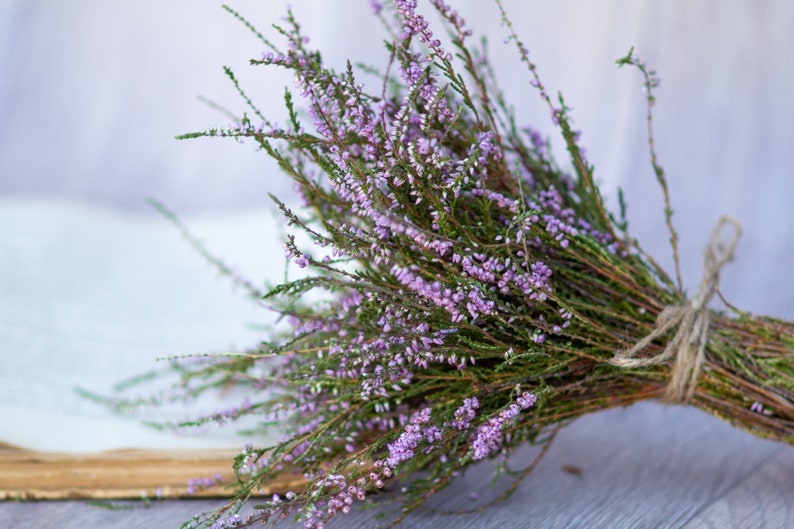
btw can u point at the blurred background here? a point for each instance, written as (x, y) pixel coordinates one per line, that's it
(92, 94)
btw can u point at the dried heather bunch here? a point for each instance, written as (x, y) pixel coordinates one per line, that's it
(478, 293)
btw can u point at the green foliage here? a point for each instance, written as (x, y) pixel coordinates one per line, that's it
(474, 293)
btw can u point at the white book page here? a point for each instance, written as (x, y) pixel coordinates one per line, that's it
(89, 297)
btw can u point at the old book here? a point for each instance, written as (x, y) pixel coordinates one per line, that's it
(89, 297)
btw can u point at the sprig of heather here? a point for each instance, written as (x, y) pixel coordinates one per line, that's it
(474, 291)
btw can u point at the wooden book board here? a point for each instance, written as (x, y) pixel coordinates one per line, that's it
(121, 474)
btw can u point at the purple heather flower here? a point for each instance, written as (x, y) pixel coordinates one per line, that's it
(376, 6)
(404, 448)
(453, 16)
(488, 437)
(465, 414)
(526, 400)
(757, 407)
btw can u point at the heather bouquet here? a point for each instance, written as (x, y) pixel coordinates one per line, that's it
(475, 295)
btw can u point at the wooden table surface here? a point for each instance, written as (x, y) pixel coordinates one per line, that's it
(650, 466)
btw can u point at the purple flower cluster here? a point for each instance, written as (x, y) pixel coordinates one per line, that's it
(454, 18)
(456, 301)
(339, 499)
(416, 24)
(380, 366)
(221, 417)
(419, 434)
(251, 462)
(345, 495)
(562, 222)
(566, 321)
(489, 270)
(411, 438)
(559, 221)
(195, 484)
(294, 255)
(386, 228)
(757, 407)
(488, 438)
(231, 521)
(414, 185)
(465, 414)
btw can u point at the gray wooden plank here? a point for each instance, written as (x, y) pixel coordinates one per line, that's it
(649, 466)
(645, 466)
(764, 500)
(75, 514)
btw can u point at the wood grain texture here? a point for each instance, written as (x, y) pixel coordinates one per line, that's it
(764, 500)
(649, 465)
(74, 515)
(122, 474)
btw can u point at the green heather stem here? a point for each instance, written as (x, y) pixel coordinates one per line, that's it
(474, 294)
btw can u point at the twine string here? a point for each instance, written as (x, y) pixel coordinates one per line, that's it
(691, 321)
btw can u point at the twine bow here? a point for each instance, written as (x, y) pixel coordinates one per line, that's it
(692, 320)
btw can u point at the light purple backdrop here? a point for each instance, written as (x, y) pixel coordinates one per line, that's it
(92, 94)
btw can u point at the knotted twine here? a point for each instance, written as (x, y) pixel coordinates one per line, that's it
(692, 320)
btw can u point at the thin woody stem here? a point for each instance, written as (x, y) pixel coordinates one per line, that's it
(651, 82)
